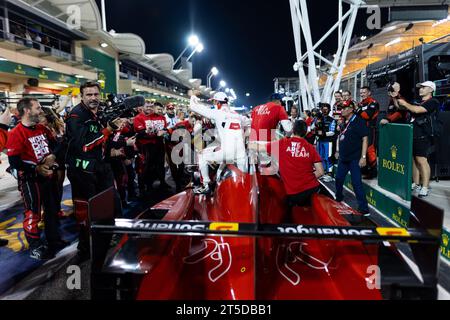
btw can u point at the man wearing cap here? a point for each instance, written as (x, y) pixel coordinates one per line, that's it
(352, 146)
(422, 134)
(171, 118)
(230, 127)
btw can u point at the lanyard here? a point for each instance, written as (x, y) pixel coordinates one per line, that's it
(348, 125)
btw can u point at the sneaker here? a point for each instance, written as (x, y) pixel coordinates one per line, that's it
(327, 178)
(202, 190)
(41, 253)
(415, 187)
(423, 192)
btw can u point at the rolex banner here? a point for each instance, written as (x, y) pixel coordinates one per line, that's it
(395, 159)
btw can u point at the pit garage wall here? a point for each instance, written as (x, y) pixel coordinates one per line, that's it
(396, 212)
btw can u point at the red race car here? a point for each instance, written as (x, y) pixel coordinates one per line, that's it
(243, 244)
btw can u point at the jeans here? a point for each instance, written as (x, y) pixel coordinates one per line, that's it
(324, 150)
(343, 168)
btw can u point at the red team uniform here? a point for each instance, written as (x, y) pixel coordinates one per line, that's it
(265, 119)
(27, 148)
(296, 158)
(151, 148)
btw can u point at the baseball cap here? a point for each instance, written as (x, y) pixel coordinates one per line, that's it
(429, 84)
(220, 96)
(348, 103)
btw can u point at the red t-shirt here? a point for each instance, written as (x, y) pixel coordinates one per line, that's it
(3, 138)
(296, 159)
(153, 122)
(30, 143)
(264, 119)
(309, 122)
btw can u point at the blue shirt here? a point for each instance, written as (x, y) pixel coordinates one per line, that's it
(351, 139)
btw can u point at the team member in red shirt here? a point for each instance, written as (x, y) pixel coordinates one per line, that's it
(5, 119)
(151, 126)
(300, 165)
(265, 119)
(30, 146)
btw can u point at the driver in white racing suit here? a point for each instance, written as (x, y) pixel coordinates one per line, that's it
(230, 128)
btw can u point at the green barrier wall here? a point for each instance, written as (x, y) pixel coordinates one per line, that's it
(397, 212)
(395, 159)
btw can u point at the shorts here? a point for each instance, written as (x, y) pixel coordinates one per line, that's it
(422, 147)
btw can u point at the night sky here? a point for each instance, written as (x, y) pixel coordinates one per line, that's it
(250, 42)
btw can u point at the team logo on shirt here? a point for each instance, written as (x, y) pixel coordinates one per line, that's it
(263, 110)
(40, 146)
(156, 125)
(298, 151)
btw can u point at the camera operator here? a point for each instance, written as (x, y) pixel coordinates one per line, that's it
(368, 109)
(52, 121)
(326, 133)
(395, 113)
(32, 160)
(88, 171)
(423, 132)
(131, 151)
(117, 157)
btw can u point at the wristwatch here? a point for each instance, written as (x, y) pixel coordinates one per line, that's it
(364, 157)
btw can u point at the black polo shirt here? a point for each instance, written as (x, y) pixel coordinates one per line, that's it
(421, 121)
(350, 140)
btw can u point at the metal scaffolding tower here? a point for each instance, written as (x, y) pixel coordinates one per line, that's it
(309, 93)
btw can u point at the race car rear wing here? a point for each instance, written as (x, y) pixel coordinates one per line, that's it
(422, 237)
(198, 228)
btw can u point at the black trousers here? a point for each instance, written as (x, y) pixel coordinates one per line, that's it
(85, 186)
(301, 199)
(37, 193)
(120, 177)
(154, 154)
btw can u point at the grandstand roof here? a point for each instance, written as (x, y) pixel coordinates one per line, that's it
(90, 16)
(125, 43)
(162, 61)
